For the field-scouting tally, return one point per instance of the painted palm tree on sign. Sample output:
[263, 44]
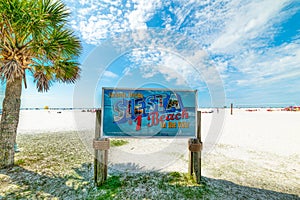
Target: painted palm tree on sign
[34, 38]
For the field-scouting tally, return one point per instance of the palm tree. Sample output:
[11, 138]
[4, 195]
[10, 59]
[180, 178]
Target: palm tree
[34, 39]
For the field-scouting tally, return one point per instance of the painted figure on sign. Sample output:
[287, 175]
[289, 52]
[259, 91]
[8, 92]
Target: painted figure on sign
[138, 121]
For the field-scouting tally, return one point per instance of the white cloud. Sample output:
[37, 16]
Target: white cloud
[245, 21]
[126, 71]
[141, 13]
[98, 20]
[109, 74]
[181, 69]
[275, 64]
[231, 33]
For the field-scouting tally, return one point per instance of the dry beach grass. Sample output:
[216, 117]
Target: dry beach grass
[58, 165]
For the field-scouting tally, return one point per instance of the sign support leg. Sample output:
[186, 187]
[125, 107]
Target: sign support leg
[195, 147]
[101, 146]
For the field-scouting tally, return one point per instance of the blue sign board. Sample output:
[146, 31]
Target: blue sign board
[148, 112]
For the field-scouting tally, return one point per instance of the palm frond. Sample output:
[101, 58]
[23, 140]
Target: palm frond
[56, 11]
[67, 71]
[42, 80]
[11, 70]
[60, 43]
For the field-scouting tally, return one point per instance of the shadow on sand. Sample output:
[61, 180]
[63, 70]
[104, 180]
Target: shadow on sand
[20, 183]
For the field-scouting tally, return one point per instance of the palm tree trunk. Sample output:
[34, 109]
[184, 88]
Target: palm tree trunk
[9, 122]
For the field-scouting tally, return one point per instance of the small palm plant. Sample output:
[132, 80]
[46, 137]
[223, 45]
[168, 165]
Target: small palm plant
[34, 39]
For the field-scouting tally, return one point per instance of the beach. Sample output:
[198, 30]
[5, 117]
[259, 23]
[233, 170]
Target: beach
[255, 155]
[275, 132]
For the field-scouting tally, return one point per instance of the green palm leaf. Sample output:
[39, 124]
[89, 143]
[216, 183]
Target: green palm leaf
[34, 33]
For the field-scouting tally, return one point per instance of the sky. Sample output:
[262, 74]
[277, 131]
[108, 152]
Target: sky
[245, 52]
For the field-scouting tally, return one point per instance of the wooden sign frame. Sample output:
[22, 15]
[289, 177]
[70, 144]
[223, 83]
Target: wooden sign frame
[102, 144]
[149, 112]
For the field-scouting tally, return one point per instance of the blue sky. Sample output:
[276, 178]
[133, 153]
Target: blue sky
[235, 51]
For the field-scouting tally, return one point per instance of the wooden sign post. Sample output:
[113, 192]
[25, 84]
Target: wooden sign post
[195, 147]
[101, 146]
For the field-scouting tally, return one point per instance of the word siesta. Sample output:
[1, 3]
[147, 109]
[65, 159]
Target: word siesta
[133, 109]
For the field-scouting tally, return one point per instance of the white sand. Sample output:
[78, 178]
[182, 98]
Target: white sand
[41, 121]
[277, 132]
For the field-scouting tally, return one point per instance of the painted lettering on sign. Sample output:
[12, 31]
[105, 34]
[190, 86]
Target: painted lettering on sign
[146, 110]
[157, 109]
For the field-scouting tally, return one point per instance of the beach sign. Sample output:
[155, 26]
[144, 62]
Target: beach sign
[148, 112]
[141, 113]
